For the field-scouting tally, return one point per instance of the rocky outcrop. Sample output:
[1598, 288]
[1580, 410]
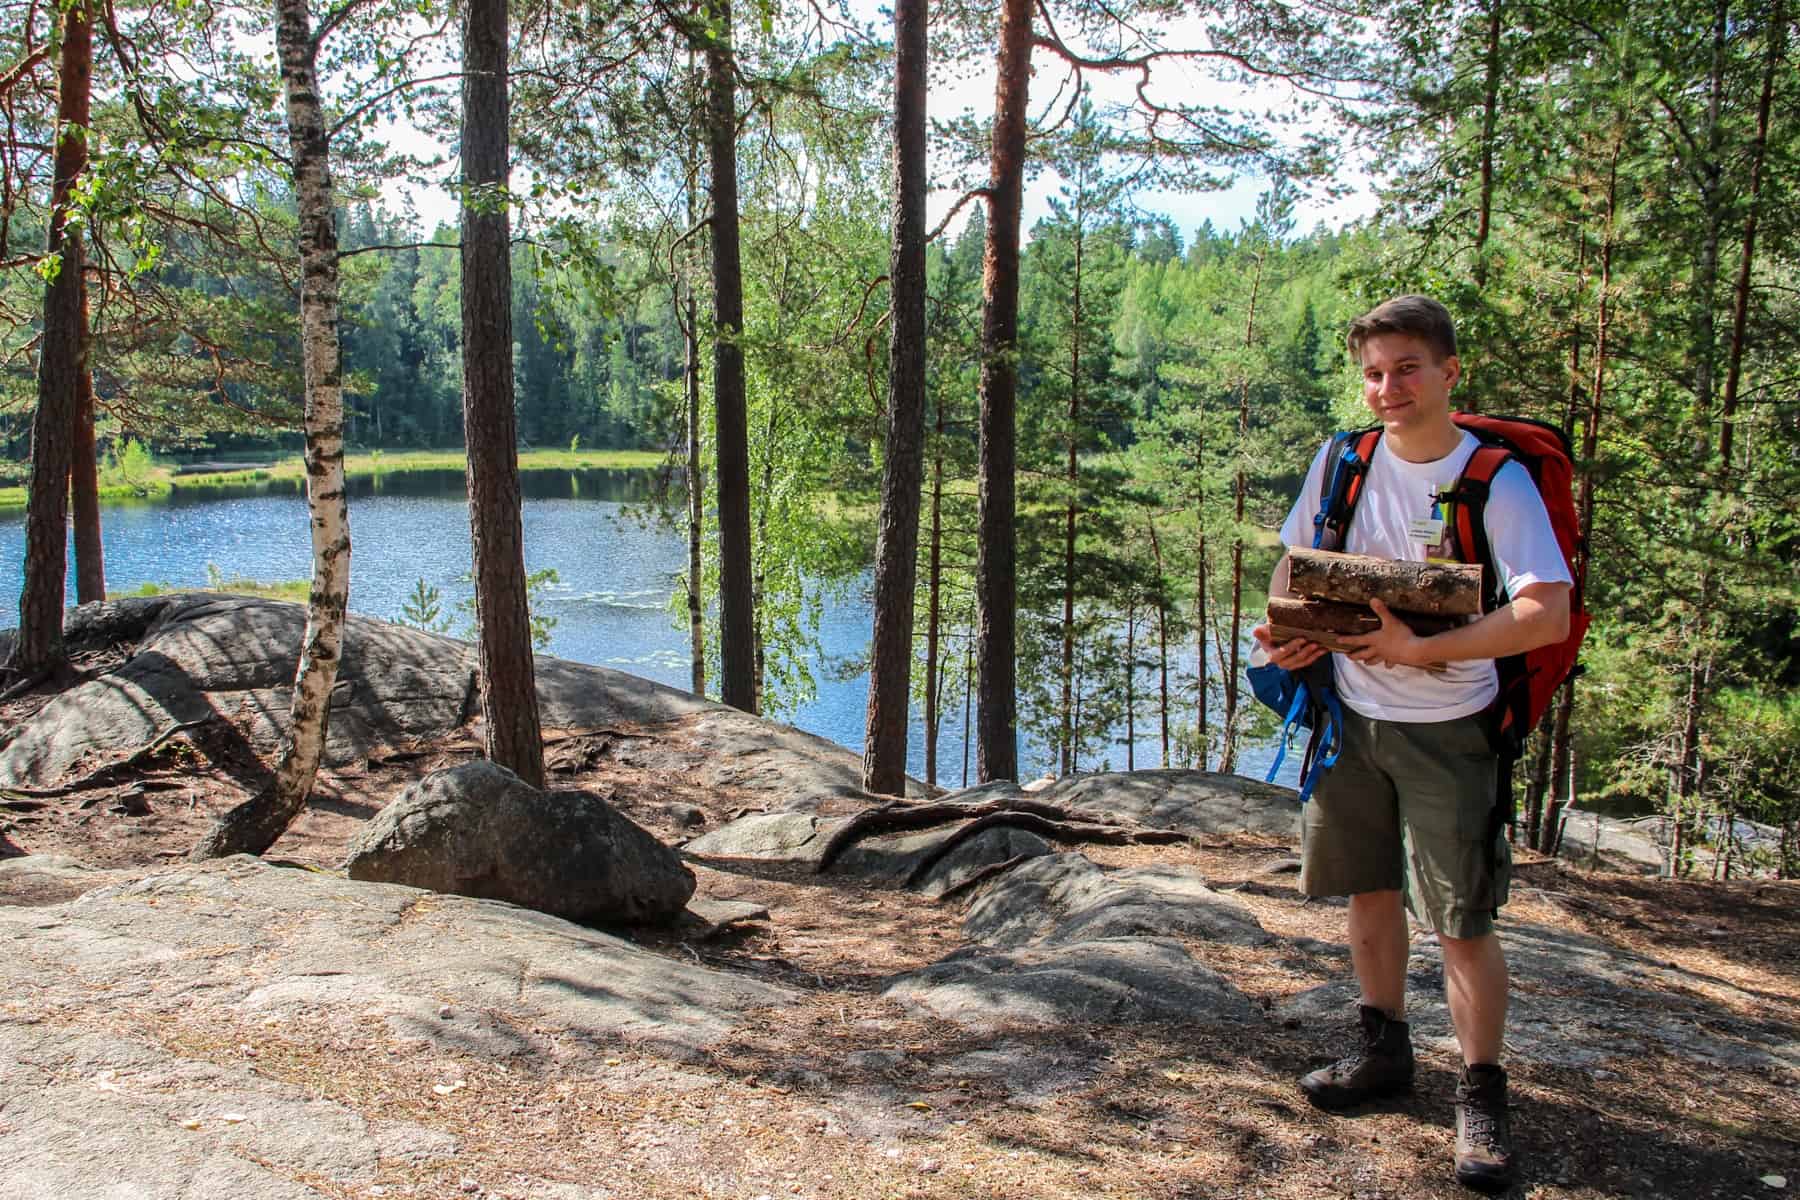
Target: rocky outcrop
[228, 661]
[1065, 898]
[1113, 981]
[479, 830]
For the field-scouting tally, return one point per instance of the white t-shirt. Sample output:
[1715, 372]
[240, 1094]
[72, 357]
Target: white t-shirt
[1394, 514]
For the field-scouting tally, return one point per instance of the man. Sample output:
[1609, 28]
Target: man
[1404, 818]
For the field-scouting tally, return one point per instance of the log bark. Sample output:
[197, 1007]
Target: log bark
[1444, 589]
[1327, 621]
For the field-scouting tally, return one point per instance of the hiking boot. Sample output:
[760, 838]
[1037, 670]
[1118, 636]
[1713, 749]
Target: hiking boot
[1484, 1149]
[1382, 1067]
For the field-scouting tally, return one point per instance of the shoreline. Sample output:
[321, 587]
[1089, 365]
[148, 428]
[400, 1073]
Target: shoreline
[165, 481]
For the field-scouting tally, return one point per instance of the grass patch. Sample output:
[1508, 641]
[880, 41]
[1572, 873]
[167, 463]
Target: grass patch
[296, 590]
[381, 462]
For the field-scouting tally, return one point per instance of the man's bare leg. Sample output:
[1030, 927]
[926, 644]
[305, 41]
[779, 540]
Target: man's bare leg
[1384, 1063]
[1378, 950]
[1475, 985]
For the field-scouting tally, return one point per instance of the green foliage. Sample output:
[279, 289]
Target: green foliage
[537, 583]
[424, 609]
[296, 590]
[128, 464]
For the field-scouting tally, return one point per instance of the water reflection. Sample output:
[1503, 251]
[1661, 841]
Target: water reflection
[585, 483]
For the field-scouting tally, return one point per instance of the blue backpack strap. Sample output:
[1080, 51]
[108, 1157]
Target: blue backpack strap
[1295, 714]
[1350, 454]
[1328, 741]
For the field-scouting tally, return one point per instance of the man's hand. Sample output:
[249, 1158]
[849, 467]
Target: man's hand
[1292, 655]
[1393, 645]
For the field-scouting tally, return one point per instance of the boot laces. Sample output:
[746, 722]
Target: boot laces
[1481, 1122]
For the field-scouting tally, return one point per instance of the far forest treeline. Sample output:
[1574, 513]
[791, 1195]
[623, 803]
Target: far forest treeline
[1063, 451]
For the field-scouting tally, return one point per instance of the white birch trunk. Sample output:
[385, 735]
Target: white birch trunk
[253, 826]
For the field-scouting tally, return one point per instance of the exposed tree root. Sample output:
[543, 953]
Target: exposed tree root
[980, 877]
[1057, 830]
[1051, 819]
[100, 774]
[26, 684]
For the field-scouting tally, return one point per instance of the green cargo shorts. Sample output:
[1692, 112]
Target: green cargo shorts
[1410, 806]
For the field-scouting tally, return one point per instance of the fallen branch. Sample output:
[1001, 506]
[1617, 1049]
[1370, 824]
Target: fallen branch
[1062, 831]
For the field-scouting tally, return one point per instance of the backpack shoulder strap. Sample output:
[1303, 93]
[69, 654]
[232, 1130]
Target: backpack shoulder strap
[1350, 454]
[1471, 495]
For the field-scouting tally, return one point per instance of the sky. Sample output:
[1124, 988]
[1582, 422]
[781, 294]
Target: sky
[973, 92]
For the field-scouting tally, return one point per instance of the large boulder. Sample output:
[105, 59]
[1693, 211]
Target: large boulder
[479, 830]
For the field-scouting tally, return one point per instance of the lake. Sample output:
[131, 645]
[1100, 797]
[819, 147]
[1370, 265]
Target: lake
[611, 602]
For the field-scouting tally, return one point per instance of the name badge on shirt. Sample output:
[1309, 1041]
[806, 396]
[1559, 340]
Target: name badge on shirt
[1427, 531]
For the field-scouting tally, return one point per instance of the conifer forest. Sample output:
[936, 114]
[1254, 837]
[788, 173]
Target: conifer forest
[756, 241]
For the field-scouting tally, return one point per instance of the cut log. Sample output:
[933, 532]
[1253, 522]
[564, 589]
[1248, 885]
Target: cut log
[1448, 589]
[1326, 622]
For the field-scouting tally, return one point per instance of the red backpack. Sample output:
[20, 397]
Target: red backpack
[1528, 681]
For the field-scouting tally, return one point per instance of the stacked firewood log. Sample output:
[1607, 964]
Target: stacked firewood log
[1331, 594]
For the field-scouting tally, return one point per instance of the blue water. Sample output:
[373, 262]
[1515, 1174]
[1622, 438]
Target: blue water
[616, 574]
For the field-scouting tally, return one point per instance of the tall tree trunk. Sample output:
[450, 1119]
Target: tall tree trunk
[696, 508]
[1740, 304]
[997, 549]
[1573, 409]
[1562, 771]
[897, 543]
[1489, 108]
[1130, 682]
[759, 564]
[84, 481]
[502, 607]
[1162, 642]
[253, 826]
[968, 701]
[61, 361]
[1709, 172]
[934, 669]
[1202, 729]
[1072, 476]
[1241, 495]
[737, 619]
[696, 470]
[1537, 787]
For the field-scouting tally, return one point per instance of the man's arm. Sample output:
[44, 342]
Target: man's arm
[1290, 655]
[1537, 616]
